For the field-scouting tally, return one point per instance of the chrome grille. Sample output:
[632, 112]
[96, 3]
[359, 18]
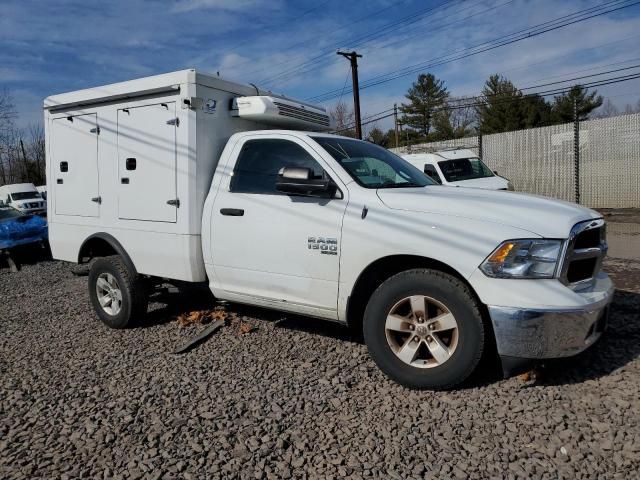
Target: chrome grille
[584, 251]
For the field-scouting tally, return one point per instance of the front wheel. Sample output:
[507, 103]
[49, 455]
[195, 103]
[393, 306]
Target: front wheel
[423, 328]
[118, 295]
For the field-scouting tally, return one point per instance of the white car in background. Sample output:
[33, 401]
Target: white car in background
[43, 191]
[24, 197]
[458, 167]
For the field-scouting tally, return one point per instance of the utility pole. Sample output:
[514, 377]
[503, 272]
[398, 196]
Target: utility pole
[353, 59]
[576, 149]
[4, 177]
[24, 160]
[395, 121]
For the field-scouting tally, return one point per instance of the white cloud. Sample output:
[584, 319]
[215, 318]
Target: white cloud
[231, 5]
[9, 74]
[267, 42]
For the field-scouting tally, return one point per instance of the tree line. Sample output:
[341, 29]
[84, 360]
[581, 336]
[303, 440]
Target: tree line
[431, 113]
[22, 150]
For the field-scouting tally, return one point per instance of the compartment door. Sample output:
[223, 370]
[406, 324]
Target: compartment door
[74, 153]
[147, 163]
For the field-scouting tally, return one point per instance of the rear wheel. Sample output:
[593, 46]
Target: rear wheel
[423, 329]
[118, 295]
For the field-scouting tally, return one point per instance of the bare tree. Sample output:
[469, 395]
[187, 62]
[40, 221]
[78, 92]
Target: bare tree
[22, 152]
[36, 152]
[7, 114]
[343, 118]
[7, 110]
[455, 120]
[608, 109]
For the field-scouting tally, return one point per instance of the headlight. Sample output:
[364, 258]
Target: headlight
[523, 259]
[510, 186]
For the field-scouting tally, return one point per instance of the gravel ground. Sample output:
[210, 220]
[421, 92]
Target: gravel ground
[295, 397]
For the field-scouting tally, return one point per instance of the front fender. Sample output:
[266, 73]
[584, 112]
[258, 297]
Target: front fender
[460, 243]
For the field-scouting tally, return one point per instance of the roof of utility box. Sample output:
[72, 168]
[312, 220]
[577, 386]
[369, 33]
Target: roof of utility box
[154, 85]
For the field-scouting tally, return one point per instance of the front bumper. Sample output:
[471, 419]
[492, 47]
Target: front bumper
[542, 333]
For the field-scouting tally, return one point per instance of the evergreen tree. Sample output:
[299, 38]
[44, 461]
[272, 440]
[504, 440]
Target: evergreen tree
[426, 96]
[563, 105]
[501, 109]
[536, 111]
[505, 108]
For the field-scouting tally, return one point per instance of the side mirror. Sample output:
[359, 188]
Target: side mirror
[300, 181]
[433, 176]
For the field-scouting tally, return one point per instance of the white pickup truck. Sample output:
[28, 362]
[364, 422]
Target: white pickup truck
[185, 176]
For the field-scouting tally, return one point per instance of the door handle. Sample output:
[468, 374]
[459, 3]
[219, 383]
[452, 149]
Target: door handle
[232, 212]
[124, 180]
[98, 200]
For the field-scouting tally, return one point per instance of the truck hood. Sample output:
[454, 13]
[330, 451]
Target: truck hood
[539, 215]
[490, 183]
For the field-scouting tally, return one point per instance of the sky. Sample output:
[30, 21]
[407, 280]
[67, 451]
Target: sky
[54, 46]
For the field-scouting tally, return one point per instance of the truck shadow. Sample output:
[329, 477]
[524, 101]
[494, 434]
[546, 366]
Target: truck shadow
[167, 304]
[619, 346]
[23, 255]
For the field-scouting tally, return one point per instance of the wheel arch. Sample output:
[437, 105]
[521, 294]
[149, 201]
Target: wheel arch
[383, 268]
[103, 245]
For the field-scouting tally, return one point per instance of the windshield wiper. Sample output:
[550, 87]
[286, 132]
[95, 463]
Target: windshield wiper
[398, 185]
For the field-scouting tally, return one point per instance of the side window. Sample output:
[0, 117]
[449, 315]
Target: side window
[432, 172]
[259, 162]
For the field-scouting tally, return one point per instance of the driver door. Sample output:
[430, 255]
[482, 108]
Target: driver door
[275, 248]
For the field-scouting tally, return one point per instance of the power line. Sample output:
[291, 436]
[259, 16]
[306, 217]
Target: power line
[501, 41]
[419, 29]
[316, 64]
[312, 40]
[548, 60]
[480, 100]
[272, 25]
[488, 45]
[381, 31]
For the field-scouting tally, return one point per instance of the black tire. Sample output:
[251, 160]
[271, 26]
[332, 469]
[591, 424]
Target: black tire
[449, 291]
[135, 296]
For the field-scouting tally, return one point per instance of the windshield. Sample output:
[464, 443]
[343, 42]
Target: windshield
[373, 166]
[24, 195]
[9, 213]
[464, 169]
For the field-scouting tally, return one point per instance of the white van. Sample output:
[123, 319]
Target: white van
[24, 197]
[458, 167]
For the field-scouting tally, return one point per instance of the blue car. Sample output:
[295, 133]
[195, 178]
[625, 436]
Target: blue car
[17, 228]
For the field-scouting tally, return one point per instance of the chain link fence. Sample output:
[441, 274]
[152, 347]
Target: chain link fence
[543, 160]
